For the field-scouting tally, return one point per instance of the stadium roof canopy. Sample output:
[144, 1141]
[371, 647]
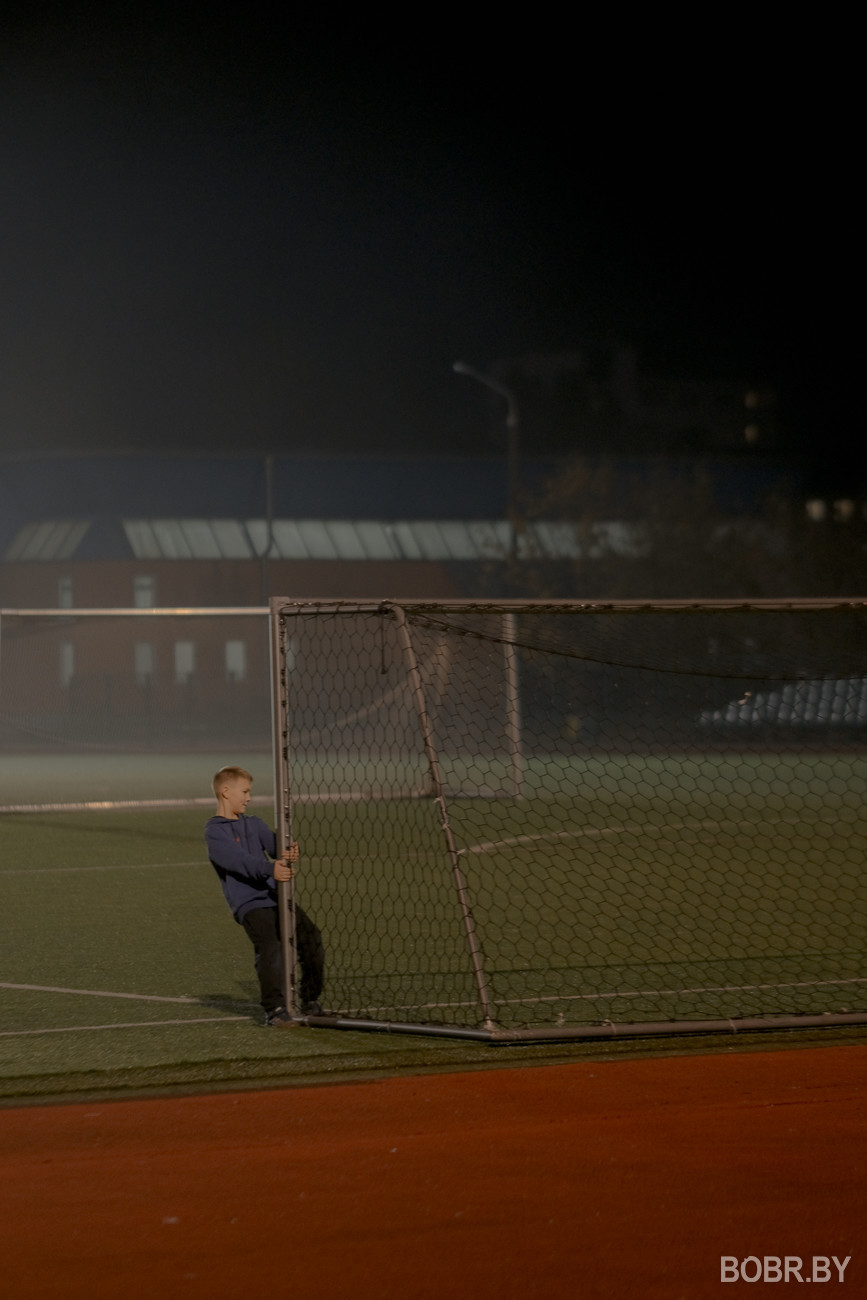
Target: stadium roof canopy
[321, 539]
[335, 508]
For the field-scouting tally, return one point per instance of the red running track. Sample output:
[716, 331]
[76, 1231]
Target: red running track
[626, 1178]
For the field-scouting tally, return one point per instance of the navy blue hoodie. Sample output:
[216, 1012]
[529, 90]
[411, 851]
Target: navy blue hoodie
[240, 849]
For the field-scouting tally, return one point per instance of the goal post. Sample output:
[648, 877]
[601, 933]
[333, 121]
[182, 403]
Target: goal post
[438, 793]
[283, 808]
[528, 819]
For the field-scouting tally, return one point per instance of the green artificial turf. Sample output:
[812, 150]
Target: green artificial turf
[645, 890]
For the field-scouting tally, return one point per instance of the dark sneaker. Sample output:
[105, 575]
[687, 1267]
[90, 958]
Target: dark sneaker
[313, 1009]
[280, 1018]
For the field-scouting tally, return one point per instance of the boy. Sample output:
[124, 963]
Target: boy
[241, 849]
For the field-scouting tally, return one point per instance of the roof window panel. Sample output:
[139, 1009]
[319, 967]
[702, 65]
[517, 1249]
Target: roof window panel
[555, 539]
[489, 538]
[376, 540]
[17, 548]
[315, 536]
[288, 542]
[406, 543]
[170, 539]
[458, 539]
[429, 539]
[49, 539]
[67, 538]
[345, 539]
[36, 543]
[199, 537]
[141, 538]
[231, 539]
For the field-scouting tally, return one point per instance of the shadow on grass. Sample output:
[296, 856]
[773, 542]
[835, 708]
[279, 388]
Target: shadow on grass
[233, 1006]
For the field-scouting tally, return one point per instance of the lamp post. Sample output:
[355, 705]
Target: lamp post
[265, 554]
[513, 446]
[510, 650]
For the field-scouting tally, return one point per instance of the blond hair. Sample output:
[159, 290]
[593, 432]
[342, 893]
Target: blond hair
[227, 775]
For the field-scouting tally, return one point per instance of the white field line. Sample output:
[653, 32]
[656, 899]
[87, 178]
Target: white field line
[629, 828]
[97, 993]
[122, 805]
[721, 988]
[132, 1024]
[626, 993]
[133, 805]
[489, 846]
[115, 866]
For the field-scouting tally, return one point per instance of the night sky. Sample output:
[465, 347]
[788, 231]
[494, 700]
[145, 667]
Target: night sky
[233, 236]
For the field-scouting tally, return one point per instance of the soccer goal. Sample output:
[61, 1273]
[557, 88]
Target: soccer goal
[529, 820]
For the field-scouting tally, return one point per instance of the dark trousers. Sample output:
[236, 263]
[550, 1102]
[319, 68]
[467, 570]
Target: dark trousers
[263, 928]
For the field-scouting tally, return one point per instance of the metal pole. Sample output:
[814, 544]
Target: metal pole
[513, 453]
[608, 1030]
[513, 706]
[513, 448]
[282, 800]
[269, 529]
[439, 797]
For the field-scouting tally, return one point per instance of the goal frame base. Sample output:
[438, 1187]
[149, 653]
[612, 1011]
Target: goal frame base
[589, 1033]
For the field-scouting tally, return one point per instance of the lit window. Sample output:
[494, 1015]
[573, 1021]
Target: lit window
[751, 400]
[816, 510]
[236, 661]
[844, 510]
[751, 433]
[144, 591]
[67, 663]
[64, 593]
[185, 661]
[144, 663]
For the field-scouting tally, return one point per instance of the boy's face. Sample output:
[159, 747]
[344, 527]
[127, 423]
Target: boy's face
[236, 796]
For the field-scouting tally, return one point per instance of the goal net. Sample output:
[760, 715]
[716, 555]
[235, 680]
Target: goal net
[532, 819]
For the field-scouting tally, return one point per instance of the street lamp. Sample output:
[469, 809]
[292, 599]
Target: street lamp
[513, 445]
[510, 649]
